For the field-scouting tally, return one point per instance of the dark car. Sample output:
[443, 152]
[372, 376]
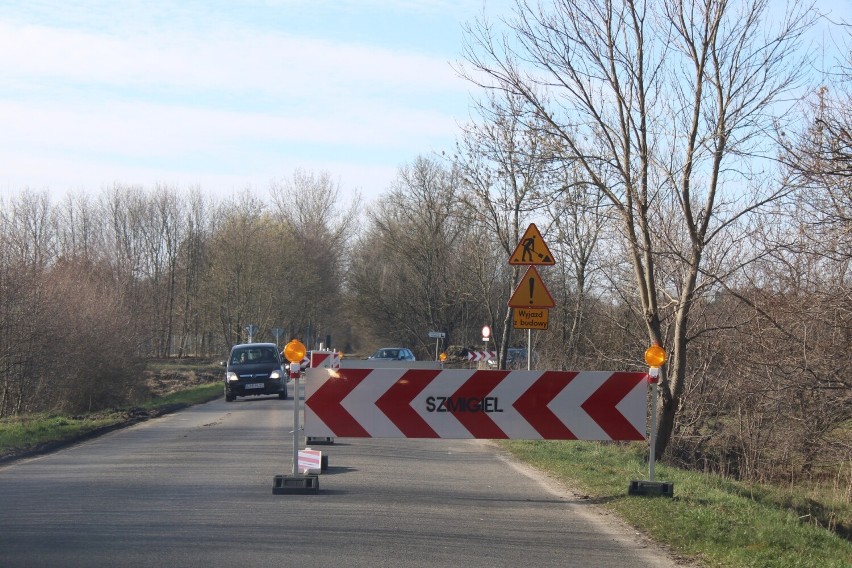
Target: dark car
[516, 358]
[255, 369]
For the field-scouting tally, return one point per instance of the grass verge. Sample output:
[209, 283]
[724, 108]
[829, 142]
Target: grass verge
[719, 522]
[32, 433]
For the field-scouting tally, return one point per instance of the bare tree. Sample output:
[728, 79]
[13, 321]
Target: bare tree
[578, 222]
[662, 105]
[247, 268]
[406, 266]
[195, 259]
[79, 228]
[164, 231]
[54, 310]
[312, 212]
[793, 360]
[124, 211]
[506, 163]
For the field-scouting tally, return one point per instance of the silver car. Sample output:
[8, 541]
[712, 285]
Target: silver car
[393, 354]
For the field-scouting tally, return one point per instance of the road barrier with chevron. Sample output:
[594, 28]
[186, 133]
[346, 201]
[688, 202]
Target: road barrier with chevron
[487, 404]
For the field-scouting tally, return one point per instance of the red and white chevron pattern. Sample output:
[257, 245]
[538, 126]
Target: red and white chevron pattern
[481, 355]
[429, 403]
[327, 359]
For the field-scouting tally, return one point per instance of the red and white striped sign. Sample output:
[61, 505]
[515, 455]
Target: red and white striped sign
[429, 403]
[327, 359]
[481, 355]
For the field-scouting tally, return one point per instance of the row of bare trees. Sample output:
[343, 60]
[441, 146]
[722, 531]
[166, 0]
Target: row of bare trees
[92, 287]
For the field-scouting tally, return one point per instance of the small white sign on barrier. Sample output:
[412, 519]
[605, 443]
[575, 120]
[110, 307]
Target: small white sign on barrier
[310, 461]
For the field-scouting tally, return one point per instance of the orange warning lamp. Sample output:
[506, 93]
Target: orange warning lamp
[443, 357]
[295, 351]
[655, 356]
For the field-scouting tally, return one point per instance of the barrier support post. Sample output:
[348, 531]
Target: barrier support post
[655, 357]
[295, 483]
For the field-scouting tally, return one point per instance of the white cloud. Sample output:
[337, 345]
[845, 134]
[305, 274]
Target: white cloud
[232, 61]
[149, 92]
[61, 174]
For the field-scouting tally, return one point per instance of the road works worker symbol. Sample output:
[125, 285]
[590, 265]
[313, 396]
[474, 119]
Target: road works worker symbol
[532, 249]
[529, 249]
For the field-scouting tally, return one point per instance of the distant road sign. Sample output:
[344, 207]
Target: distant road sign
[485, 355]
[437, 334]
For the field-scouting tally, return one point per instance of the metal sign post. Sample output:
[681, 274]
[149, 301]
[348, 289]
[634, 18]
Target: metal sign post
[529, 349]
[437, 336]
[486, 335]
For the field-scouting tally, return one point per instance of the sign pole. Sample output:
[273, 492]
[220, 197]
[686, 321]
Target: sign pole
[486, 335]
[277, 332]
[438, 336]
[529, 349]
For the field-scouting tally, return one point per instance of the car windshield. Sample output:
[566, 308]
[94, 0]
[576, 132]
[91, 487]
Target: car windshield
[253, 355]
[387, 354]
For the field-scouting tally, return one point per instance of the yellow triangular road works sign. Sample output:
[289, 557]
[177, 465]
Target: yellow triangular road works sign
[532, 249]
[531, 292]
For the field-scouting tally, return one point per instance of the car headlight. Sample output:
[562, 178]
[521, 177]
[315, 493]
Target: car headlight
[276, 374]
[231, 377]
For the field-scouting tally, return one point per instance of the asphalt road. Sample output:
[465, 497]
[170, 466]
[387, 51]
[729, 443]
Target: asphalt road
[194, 488]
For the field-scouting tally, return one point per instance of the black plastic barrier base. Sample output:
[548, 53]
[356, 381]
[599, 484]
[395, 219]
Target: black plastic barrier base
[295, 485]
[651, 488]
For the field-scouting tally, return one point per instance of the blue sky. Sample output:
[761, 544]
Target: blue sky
[227, 94]
[230, 94]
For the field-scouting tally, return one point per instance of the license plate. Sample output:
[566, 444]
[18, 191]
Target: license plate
[254, 386]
